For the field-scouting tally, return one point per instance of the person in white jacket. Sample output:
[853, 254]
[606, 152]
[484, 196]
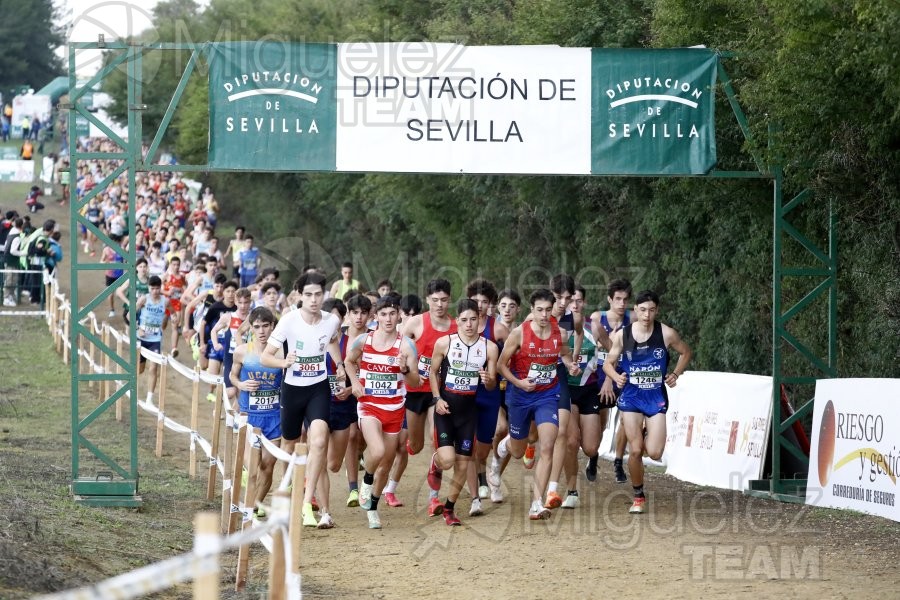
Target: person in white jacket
[13, 252]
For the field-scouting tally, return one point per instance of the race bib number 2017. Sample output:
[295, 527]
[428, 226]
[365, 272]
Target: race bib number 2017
[264, 400]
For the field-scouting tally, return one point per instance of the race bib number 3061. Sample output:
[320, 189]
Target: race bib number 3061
[310, 366]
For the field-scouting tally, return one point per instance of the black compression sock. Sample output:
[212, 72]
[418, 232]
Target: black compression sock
[482, 479]
[449, 504]
[638, 491]
[374, 505]
[368, 478]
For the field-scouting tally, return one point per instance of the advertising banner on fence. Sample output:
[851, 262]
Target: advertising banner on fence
[272, 106]
[855, 452]
[16, 170]
[717, 428]
[422, 107]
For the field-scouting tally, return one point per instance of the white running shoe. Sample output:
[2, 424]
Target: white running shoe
[365, 495]
[571, 501]
[484, 492]
[493, 472]
[476, 509]
[374, 519]
[538, 512]
[325, 522]
[503, 447]
[496, 495]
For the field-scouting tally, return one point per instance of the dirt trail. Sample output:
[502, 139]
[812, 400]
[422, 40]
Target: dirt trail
[694, 542]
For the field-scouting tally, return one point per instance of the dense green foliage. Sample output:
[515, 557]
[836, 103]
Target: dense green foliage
[28, 40]
[825, 70]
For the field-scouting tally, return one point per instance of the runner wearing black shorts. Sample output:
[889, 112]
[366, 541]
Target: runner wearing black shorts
[466, 359]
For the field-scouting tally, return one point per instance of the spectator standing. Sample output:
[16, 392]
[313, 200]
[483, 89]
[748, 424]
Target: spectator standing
[12, 252]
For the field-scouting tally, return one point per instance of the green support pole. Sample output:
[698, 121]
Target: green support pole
[101, 481]
[779, 485]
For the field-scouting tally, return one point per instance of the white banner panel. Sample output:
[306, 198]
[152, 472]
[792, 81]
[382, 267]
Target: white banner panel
[16, 170]
[30, 105]
[427, 107]
[717, 428]
[855, 452]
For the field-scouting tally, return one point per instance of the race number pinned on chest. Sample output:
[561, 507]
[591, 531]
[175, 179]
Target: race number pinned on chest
[424, 366]
[461, 381]
[381, 384]
[309, 366]
[263, 400]
[335, 386]
[541, 374]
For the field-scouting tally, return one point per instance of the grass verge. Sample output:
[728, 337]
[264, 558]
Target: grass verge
[47, 542]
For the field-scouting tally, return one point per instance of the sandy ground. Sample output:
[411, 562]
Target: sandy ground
[694, 542]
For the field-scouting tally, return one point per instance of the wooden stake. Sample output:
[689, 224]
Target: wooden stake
[195, 418]
[276, 559]
[65, 349]
[120, 402]
[216, 431]
[240, 581]
[206, 585]
[237, 479]
[226, 463]
[108, 385]
[160, 422]
[295, 526]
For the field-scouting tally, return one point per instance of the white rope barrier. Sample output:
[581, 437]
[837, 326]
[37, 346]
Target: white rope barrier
[183, 370]
[211, 379]
[94, 366]
[153, 357]
[119, 337]
[188, 566]
[165, 574]
[169, 423]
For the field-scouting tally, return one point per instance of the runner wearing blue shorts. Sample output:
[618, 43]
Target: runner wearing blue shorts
[641, 350]
[528, 363]
[260, 393]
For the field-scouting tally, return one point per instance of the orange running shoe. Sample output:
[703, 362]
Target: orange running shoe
[554, 500]
[529, 456]
[639, 506]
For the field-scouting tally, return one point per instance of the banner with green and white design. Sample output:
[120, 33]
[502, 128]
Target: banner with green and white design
[272, 106]
[422, 107]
